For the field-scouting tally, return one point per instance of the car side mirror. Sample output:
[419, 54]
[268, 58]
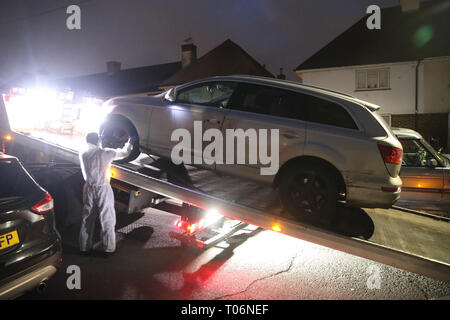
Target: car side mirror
[170, 95]
[432, 163]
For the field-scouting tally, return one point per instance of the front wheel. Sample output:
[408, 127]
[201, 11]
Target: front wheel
[115, 133]
[309, 192]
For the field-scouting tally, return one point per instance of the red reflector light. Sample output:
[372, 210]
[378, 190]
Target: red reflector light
[391, 154]
[395, 189]
[44, 205]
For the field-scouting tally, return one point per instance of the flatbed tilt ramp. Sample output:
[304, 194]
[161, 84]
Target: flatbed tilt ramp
[266, 219]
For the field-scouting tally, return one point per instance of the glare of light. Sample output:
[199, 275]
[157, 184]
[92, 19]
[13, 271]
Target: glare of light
[419, 186]
[423, 35]
[92, 114]
[211, 217]
[8, 137]
[176, 108]
[33, 108]
[111, 173]
[276, 228]
[179, 224]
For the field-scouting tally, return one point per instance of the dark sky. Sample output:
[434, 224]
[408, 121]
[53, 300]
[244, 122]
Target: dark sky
[278, 33]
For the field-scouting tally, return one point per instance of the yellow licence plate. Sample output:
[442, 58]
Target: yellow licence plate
[9, 239]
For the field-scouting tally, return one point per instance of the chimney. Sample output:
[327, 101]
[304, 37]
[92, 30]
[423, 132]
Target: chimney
[188, 54]
[409, 5]
[281, 75]
[112, 67]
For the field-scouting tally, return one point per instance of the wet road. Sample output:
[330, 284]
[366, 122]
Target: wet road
[252, 264]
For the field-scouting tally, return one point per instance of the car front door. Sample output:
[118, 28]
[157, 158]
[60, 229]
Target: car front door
[421, 181]
[196, 109]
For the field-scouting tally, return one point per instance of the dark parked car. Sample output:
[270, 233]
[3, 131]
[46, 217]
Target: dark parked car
[30, 246]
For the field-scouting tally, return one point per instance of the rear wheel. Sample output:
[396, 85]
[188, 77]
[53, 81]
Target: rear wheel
[309, 192]
[115, 133]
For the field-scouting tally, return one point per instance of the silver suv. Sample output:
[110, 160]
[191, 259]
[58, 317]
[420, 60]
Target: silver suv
[332, 146]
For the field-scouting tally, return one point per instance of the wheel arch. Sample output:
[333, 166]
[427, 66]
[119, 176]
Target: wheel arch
[301, 160]
[120, 117]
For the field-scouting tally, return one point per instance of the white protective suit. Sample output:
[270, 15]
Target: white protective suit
[98, 194]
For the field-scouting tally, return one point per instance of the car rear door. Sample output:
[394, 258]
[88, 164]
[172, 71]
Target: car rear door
[261, 108]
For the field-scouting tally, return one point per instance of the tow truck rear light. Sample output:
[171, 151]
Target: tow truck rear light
[44, 205]
[390, 154]
[190, 227]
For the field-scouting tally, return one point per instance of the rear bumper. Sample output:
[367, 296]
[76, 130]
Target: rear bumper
[28, 279]
[375, 195]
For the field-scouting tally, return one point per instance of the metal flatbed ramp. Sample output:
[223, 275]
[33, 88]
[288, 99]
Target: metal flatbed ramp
[266, 219]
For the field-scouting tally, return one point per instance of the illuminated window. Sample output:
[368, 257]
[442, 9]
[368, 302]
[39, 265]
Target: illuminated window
[372, 79]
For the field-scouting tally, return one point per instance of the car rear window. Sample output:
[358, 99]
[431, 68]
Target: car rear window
[16, 183]
[327, 112]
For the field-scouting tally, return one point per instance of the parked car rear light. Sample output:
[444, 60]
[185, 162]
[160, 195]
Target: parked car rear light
[44, 205]
[391, 154]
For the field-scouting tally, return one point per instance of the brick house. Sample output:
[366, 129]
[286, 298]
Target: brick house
[404, 67]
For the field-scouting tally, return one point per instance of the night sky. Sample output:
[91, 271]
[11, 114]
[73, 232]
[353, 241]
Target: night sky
[277, 33]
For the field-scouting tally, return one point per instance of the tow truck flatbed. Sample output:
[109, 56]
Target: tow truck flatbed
[385, 236]
[389, 243]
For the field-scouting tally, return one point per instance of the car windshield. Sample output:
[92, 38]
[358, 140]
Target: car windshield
[436, 154]
[16, 183]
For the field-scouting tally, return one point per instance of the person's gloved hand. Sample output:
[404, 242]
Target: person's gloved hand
[132, 140]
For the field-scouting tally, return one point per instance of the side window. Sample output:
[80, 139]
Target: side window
[290, 104]
[215, 94]
[414, 154]
[327, 112]
[267, 100]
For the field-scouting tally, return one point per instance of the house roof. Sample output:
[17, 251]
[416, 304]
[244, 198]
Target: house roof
[404, 36]
[128, 81]
[226, 59]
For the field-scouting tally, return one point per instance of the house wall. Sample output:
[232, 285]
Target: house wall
[399, 99]
[436, 90]
[433, 96]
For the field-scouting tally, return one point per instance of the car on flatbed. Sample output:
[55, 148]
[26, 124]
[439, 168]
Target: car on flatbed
[332, 146]
[30, 246]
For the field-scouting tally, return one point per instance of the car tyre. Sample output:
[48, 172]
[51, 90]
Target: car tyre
[115, 133]
[309, 192]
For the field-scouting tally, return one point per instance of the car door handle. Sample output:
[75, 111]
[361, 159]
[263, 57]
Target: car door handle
[212, 120]
[290, 134]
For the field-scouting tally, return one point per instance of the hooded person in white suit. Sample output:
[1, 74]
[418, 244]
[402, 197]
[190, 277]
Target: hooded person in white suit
[98, 194]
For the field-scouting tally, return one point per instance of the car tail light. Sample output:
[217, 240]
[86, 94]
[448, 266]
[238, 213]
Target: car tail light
[391, 154]
[391, 189]
[44, 205]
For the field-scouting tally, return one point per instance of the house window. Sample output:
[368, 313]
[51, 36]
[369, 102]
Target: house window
[372, 79]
